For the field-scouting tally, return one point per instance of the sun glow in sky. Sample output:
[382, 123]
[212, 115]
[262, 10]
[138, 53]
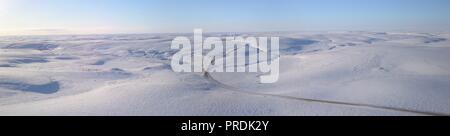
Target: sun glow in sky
[25, 17]
[4, 5]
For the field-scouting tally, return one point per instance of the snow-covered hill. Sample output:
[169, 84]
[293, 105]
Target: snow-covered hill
[335, 73]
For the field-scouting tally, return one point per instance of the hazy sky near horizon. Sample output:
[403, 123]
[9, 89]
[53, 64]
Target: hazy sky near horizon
[153, 16]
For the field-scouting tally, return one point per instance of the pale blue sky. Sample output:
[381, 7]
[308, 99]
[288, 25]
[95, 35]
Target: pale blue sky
[153, 16]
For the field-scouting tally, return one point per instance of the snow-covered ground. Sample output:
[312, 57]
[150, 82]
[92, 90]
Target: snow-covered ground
[334, 73]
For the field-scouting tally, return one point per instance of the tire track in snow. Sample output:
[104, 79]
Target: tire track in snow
[234, 89]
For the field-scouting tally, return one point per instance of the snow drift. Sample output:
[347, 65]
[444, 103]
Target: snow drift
[339, 73]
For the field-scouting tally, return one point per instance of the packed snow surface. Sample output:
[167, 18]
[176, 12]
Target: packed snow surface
[321, 73]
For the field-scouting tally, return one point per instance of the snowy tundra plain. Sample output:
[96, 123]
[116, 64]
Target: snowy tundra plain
[321, 73]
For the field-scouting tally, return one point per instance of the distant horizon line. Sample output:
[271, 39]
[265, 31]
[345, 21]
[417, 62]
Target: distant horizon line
[215, 32]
